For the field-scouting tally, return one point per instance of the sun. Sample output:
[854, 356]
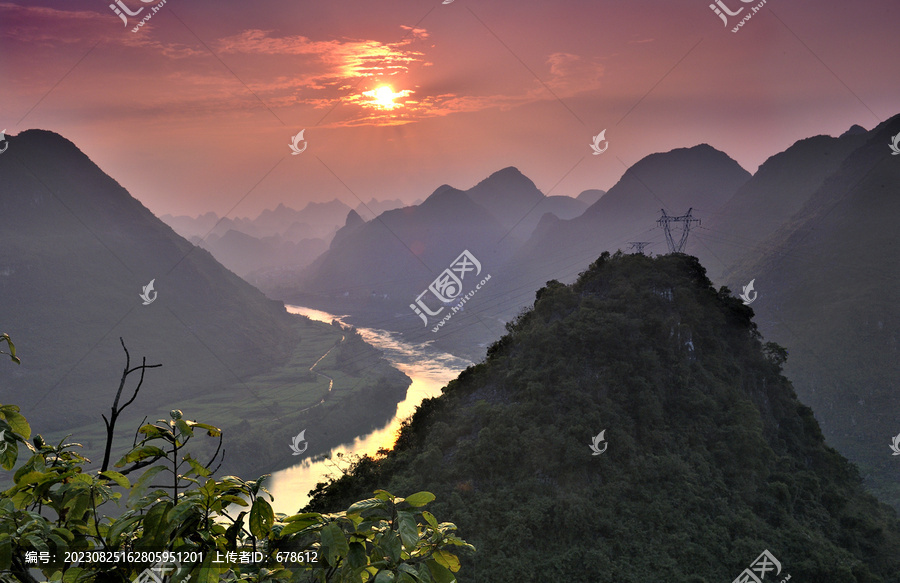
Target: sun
[383, 97]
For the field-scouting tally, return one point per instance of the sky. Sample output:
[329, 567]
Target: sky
[196, 110]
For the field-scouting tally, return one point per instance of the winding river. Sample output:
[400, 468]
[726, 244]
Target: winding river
[429, 369]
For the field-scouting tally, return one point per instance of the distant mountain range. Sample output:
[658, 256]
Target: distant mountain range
[814, 227]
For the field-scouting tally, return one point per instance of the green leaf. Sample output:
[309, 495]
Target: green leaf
[356, 556]
[184, 428]
[334, 544]
[390, 544]
[72, 574]
[181, 513]
[32, 478]
[261, 518]
[384, 577]
[445, 559]
[299, 525]
[140, 487]
[119, 527]
[439, 573]
[383, 495]
[430, 519]
[419, 499]
[210, 430]
[153, 431]
[5, 551]
[16, 420]
[117, 478]
[368, 504]
[12, 348]
[303, 516]
[409, 533]
[155, 526]
[197, 467]
[141, 453]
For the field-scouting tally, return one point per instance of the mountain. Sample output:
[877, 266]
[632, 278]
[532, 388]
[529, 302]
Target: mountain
[278, 240]
[403, 250]
[317, 220]
[320, 220]
[633, 427]
[591, 196]
[246, 255]
[700, 177]
[766, 202]
[826, 282]
[373, 208]
[78, 251]
[386, 262]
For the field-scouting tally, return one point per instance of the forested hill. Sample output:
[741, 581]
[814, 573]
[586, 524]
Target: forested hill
[710, 458]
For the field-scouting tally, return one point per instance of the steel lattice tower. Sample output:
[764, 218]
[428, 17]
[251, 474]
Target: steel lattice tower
[638, 245]
[686, 219]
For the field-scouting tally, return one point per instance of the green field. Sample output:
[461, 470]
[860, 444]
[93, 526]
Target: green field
[285, 397]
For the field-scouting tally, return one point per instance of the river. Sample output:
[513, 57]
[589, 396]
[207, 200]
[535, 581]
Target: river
[429, 369]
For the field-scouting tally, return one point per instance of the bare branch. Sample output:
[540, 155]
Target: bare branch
[115, 410]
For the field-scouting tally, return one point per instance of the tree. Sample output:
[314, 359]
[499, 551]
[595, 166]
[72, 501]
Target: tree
[179, 529]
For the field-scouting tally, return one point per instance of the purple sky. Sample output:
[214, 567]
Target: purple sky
[195, 111]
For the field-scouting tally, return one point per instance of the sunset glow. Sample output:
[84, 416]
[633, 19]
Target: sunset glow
[383, 97]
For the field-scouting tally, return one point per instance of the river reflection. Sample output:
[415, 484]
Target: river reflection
[429, 369]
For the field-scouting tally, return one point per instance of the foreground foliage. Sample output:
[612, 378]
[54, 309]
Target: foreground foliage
[172, 503]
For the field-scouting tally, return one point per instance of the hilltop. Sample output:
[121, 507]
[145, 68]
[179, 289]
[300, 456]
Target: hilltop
[709, 458]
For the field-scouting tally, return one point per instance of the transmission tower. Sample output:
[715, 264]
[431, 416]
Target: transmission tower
[686, 219]
[638, 245]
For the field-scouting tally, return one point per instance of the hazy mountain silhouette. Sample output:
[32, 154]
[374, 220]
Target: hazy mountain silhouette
[280, 239]
[76, 254]
[777, 190]
[373, 208]
[591, 196]
[404, 249]
[317, 220]
[827, 289]
[246, 255]
[708, 458]
[398, 254]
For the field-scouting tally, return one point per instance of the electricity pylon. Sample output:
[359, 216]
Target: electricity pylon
[686, 219]
[638, 245]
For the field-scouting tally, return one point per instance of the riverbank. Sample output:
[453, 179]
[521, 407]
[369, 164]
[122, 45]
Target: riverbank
[429, 370]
